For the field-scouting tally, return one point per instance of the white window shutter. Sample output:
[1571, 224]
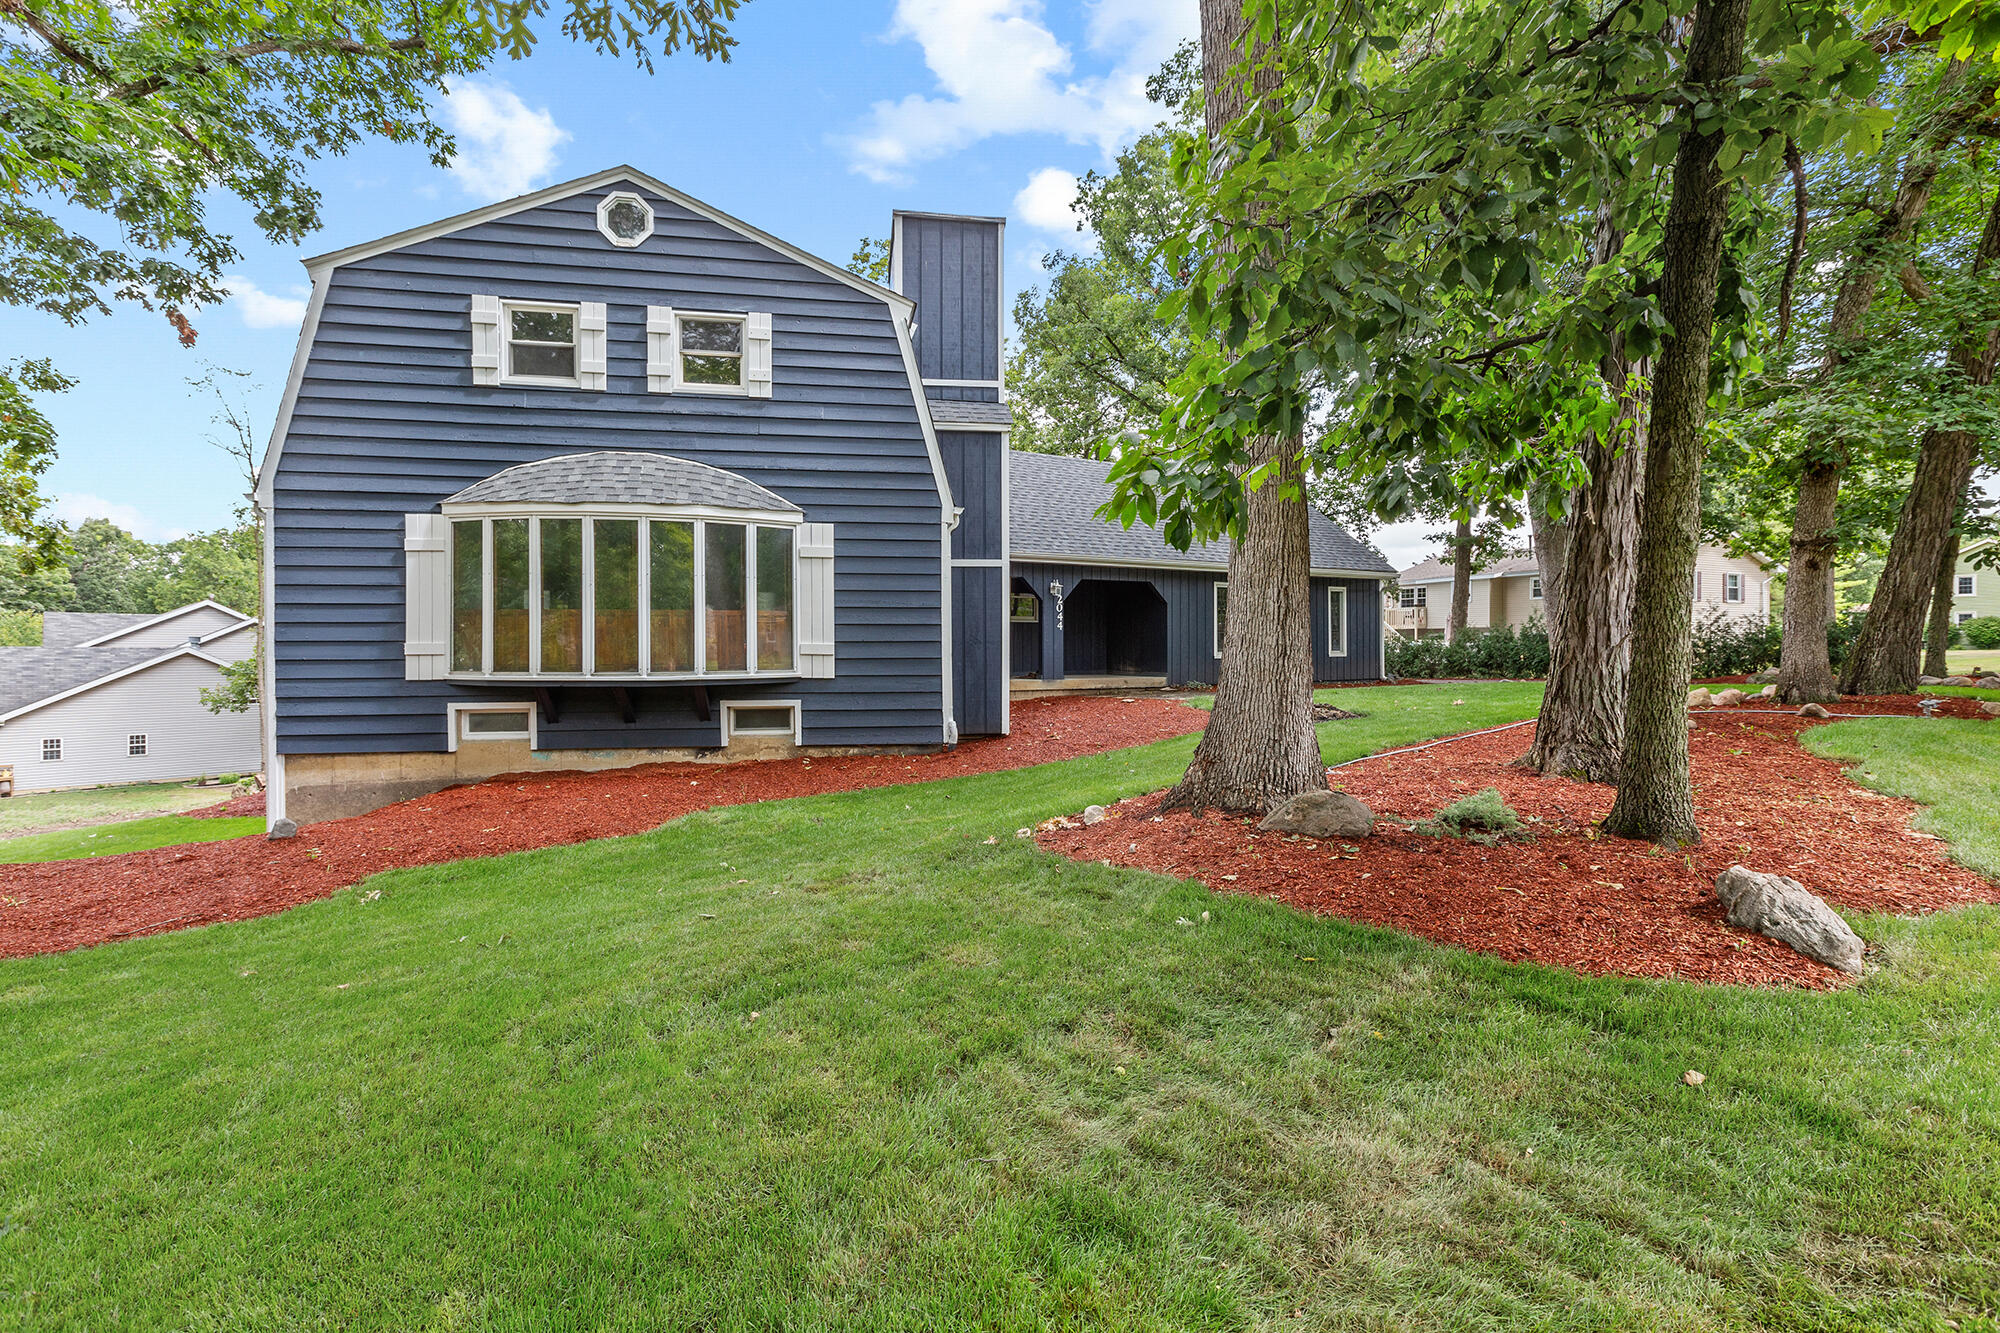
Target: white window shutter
[757, 354]
[662, 366]
[427, 593]
[485, 340]
[815, 594]
[590, 335]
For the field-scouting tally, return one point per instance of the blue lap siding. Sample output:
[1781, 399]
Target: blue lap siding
[388, 422]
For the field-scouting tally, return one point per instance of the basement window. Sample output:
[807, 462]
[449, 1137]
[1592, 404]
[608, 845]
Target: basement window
[762, 719]
[491, 722]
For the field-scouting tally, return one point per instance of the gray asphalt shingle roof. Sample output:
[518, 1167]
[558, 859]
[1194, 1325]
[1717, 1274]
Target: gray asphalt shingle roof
[1435, 570]
[945, 412]
[621, 478]
[28, 675]
[66, 629]
[1053, 500]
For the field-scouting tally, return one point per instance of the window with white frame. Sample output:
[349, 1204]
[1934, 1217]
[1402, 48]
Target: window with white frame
[1535, 588]
[1221, 613]
[1964, 616]
[1968, 585]
[538, 343]
[625, 219]
[1732, 587]
[135, 745]
[1411, 598]
[711, 352]
[51, 749]
[1336, 621]
[779, 718]
[623, 595]
[491, 722]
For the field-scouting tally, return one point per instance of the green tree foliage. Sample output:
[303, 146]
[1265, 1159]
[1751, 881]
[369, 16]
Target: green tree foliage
[123, 124]
[105, 568]
[871, 259]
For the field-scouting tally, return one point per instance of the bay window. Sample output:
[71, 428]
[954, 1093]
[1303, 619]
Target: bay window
[615, 595]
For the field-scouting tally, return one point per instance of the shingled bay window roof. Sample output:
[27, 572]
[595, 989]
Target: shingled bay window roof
[623, 478]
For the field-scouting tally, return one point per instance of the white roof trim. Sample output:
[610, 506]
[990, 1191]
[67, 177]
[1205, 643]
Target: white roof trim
[445, 226]
[165, 616]
[1199, 566]
[119, 674]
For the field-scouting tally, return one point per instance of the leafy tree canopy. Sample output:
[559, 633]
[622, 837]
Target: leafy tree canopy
[105, 568]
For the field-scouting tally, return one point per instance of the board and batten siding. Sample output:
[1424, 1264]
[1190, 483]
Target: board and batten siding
[1190, 602]
[161, 702]
[951, 267]
[973, 463]
[387, 422]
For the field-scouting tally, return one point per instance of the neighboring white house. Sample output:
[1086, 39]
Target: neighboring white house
[117, 699]
[1509, 592]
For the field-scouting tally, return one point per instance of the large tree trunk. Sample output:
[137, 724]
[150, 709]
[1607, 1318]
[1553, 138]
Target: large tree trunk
[1259, 747]
[1805, 670]
[1885, 656]
[1937, 641]
[1655, 792]
[1461, 580]
[1589, 564]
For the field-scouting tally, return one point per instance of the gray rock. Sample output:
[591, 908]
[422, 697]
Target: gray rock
[1956, 680]
[1765, 677]
[1989, 682]
[1768, 692]
[1782, 909]
[1321, 814]
[1729, 698]
[1814, 710]
[1930, 680]
[1699, 698]
[1990, 707]
[283, 828]
[1093, 814]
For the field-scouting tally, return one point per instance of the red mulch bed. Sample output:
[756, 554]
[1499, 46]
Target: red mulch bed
[67, 904]
[237, 807]
[1572, 897]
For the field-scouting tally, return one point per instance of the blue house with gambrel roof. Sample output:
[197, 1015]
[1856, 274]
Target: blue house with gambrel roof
[603, 475]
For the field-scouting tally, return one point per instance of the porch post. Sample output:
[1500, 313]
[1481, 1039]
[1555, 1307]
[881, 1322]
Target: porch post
[1052, 630]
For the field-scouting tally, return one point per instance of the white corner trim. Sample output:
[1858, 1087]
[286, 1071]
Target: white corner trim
[274, 448]
[165, 616]
[267, 668]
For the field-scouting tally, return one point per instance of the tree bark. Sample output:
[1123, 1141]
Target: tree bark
[1805, 669]
[1655, 792]
[1461, 579]
[1885, 656]
[1589, 564]
[1259, 746]
[1937, 642]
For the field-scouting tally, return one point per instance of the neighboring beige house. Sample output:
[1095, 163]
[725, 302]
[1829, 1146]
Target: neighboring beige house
[1977, 591]
[1509, 592]
[117, 699]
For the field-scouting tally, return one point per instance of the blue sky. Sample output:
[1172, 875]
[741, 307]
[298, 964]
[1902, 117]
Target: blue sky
[828, 117]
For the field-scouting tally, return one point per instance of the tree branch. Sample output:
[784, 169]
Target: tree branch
[1798, 250]
[236, 55]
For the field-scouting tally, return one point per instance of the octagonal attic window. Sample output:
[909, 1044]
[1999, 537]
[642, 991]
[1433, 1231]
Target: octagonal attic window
[625, 219]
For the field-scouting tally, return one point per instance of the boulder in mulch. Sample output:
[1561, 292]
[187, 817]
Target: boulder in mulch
[282, 829]
[1930, 680]
[1956, 680]
[1990, 707]
[1729, 698]
[1765, 678]
[1321, 814]
[1813, 710]
[1782, 909]
[1989, 682]
[1699, 698]
[1768, 692]
[1093, 814]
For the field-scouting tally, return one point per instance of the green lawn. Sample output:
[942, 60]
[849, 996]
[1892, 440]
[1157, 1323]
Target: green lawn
[1951, 766]
[132, 835]
[844, 1063]
[40, 812]
[1966, 661]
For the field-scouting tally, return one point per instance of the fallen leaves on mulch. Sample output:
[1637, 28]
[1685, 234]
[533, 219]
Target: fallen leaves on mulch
[67, 904]
[1571, 897]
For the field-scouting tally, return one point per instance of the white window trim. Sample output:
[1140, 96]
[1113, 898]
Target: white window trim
[1727, 580]
[740, 389]
[575, 312]
[455, 724]
[1962, 582]
[1413, 598]
[145, 746]
[1215, 613]
[57, 741]
[731, 707]
[699, 516]
[1964, 616]
[1336, 645]
[604, 207]
[1534, 587]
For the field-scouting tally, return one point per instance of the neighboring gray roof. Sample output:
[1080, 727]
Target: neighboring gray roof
[31, 674]
[1053, 501]
[946, 412]
[620, 478]
[1436, 571]
[66, 629]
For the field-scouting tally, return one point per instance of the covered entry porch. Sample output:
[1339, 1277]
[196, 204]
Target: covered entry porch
[1079, 628]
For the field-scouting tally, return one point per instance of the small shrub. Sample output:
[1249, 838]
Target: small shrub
[1483, 817]
[1982, 632]
[1734, 645]
[1502, 653]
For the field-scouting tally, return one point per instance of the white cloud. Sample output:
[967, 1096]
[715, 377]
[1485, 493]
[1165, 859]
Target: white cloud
[505, 146]
[261, 309]
[75, 507]
[1000, 70]
[1048, 201]
[1406, 543]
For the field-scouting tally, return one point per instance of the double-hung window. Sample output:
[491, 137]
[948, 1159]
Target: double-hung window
[1732, 587]
[1968, 584]
[538, 343]
[624, 595]
[1535, 588]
